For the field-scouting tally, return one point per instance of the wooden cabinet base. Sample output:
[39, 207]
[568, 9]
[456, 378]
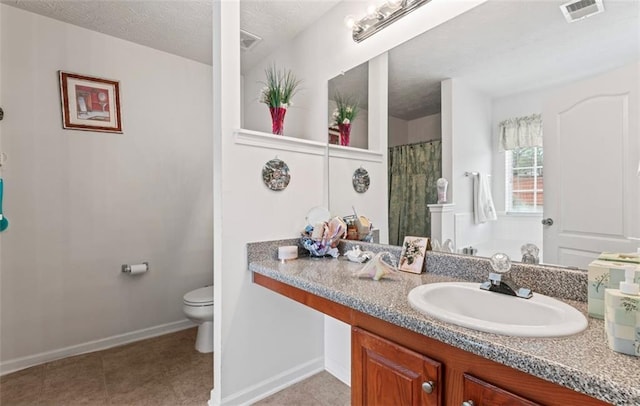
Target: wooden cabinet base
[384, 373]
[479, 392]
[455, 363]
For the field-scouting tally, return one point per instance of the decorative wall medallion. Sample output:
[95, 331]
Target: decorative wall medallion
[361, 180]
[275, 174]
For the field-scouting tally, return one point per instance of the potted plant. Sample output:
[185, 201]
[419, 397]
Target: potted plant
[345, 112]
[280, 86]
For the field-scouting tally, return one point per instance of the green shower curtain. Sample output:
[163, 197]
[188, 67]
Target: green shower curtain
[413, 171]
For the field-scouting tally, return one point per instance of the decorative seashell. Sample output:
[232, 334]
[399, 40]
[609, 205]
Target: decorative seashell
[377, 268]
[357, 255]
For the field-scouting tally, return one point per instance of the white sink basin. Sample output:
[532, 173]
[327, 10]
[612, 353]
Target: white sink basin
[465, 304]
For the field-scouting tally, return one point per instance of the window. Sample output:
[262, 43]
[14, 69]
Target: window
[524, 180]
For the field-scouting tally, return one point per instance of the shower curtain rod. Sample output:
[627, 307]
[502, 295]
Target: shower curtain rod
[417, 143]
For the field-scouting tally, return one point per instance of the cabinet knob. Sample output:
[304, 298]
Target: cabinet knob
[468, 403]
[547, 222]
[429, 386]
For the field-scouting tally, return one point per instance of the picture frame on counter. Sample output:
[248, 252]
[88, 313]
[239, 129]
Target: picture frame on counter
[412, 255]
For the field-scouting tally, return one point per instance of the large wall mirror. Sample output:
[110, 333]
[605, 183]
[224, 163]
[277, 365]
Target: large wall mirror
[449, 91]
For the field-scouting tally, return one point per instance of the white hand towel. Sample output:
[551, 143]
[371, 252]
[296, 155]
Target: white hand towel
[483, 209]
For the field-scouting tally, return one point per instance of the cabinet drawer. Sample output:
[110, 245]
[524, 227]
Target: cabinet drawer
[482, 393]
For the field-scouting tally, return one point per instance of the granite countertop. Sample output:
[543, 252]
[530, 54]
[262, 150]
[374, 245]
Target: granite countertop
[581, 362]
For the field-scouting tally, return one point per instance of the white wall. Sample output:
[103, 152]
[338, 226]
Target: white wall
[427, 128]
[307, 119]
[343, 197]
[337, 349]
[466, 134]
[472, 141]
[263, 333]
[398, 131]
[266, 341]
[373, 203]
[325, 49]
[81, 203]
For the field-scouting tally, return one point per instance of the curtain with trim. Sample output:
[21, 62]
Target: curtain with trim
[521, 132]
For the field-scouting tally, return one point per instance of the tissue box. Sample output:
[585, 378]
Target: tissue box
[604, 274]
[620, 257]
[622, 322]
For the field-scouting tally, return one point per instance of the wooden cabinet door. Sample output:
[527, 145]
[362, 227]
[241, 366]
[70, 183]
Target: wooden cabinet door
[482, 393]
[385, 373]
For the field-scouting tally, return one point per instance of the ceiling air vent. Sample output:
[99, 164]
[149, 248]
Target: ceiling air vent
[579, 9]
[248, 40]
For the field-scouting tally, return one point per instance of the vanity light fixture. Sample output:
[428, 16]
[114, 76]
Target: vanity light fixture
[379, 17]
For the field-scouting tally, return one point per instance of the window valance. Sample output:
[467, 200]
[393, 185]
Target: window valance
[521, 132]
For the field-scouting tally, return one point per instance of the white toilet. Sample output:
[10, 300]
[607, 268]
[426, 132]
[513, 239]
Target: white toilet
[198, 307]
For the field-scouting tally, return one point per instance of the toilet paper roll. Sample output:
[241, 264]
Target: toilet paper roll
[136, 268]
[139, 268]
[288, 252]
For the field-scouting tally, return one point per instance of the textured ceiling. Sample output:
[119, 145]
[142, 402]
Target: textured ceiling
[276, 22]
[356, 80]
[179, 27]
[499, 47]
[183, 27]
[505, 47]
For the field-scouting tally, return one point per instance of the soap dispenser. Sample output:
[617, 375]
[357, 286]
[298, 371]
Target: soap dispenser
[622, 315]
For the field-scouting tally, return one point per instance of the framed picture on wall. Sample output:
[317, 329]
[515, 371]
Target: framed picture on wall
[412, 255]
[89, 103]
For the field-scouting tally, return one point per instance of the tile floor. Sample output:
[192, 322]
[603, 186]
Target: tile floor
[164, 370]
[322, 389]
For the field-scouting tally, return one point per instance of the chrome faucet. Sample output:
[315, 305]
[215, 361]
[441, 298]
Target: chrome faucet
[530, 254]
[500, 282]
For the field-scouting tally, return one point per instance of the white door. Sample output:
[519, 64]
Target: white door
[591, 161]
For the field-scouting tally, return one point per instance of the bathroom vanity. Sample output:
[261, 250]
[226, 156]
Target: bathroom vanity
[400, 356]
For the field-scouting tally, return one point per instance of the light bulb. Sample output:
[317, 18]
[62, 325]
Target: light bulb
[393, 3]
[372, 10]
[350, 21]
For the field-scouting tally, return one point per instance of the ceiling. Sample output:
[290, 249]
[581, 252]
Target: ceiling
[505, 46]
[190, 35]
[499, 47]
[276, 22]
[144, 22]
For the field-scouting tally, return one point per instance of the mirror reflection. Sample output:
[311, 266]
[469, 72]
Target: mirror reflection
[348, 108]
[512, 101]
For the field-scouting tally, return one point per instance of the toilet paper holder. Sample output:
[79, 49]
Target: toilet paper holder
[136, 268]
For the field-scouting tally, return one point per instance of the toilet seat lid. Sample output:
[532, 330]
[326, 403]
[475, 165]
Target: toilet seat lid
[200, 297]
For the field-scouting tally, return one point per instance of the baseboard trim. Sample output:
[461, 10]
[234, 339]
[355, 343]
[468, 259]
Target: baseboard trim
[13, 365]
[212, 398]
[339, 371]
[275, 384]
